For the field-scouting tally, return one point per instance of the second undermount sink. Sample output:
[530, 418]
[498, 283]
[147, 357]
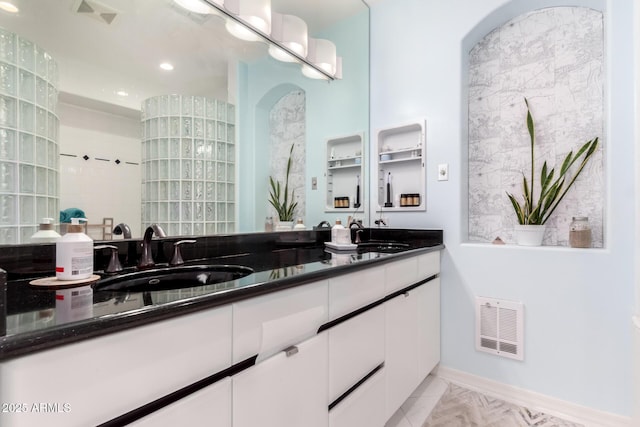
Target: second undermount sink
[382, 246]
[166, 278]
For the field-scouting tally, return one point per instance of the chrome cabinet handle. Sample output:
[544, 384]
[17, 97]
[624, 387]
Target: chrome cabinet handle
[290, 351]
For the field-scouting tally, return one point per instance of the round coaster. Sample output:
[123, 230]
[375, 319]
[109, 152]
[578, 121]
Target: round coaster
[54, 283]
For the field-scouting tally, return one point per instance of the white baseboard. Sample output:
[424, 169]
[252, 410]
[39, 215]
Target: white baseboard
[532, 400]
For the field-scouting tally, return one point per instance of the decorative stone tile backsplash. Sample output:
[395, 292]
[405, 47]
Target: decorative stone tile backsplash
[287, 126]
[555, 58]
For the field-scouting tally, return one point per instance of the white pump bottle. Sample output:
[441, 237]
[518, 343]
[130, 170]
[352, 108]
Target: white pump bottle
[74, 253]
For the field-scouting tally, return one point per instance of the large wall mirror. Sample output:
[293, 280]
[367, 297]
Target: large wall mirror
[143, 111]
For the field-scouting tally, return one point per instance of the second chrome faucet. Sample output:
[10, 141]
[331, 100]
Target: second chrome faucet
[146, 257]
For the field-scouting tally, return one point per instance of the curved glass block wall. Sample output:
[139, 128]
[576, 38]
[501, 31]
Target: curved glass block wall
[29, 129]
[188, 165]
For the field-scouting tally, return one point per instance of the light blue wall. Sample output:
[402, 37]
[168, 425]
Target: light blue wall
[333, 109]
[578, 303]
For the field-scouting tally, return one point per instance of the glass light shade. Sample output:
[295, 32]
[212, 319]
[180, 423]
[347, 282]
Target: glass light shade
[256, 13]
[198, 6]
[291, 32]
[241, 32]
[322, 54]
[312, 73]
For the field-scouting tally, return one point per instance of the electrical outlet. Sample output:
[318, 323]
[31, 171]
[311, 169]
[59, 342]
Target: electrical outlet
[443, 172]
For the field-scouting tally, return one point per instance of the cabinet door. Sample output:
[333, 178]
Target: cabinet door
[210, 406]
[428, 327]
[401, 348]
[285, 390]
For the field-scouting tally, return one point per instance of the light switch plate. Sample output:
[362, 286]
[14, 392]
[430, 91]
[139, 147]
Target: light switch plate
[443, 172]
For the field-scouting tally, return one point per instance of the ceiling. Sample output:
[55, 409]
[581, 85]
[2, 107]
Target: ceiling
[102, 46]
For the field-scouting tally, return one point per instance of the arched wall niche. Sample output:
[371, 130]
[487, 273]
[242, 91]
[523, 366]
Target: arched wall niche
[280, 120]
[554, 56]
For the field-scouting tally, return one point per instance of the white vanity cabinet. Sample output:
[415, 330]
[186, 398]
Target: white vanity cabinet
[210, 406]
[412, 326]
[288, 389]
[105, 377]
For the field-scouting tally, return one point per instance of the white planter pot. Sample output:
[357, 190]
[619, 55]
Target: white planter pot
[284, 226]
[529, 235]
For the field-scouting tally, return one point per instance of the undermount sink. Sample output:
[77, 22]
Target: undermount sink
[382, 246]
[166, 278]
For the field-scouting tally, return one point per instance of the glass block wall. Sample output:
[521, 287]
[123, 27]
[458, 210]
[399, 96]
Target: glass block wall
[188, 165]
[29, 129]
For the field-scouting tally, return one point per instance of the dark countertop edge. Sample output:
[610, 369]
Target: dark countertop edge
[31, 342]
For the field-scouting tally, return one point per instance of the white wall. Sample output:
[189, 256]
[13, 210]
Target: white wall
[100, 188]
[578, 304]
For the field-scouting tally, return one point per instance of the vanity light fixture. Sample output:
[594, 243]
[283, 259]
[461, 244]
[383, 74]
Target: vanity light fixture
[7, 6]
[256, 13]
[291, 32]
[322, 54]
[166, 66]
[252, 20]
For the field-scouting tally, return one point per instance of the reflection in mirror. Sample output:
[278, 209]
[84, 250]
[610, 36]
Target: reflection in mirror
[90, 121]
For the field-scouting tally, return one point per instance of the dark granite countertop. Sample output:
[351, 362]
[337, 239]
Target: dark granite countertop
[38, 319]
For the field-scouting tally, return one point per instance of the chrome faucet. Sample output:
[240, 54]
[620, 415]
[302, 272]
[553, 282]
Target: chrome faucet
[146, 259]
[123, 229]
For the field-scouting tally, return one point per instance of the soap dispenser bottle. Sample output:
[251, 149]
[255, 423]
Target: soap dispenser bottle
[46, 233]
[336, 231]
[74, 253]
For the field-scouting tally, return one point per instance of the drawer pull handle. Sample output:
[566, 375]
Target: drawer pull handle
[290, 351]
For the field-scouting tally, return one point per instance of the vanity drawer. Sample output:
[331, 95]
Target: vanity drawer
[268, 324]
[349, 292]
[428, 264]
[400, 274]
[356, 347]
[104, 377]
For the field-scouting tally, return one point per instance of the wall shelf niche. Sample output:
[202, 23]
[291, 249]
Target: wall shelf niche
[345, 173]
[400, 159]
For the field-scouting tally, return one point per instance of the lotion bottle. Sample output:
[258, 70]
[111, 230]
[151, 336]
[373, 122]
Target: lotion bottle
[46, 233]
[74, 253]
[339, 234]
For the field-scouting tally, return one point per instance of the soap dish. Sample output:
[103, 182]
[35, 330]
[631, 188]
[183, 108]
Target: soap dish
[341, 246]
[54, 283]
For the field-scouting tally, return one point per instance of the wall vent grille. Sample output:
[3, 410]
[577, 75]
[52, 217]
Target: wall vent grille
[499, 327]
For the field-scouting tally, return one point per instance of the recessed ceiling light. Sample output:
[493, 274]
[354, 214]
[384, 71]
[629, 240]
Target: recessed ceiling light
[9, 7]
[166, 66]
[122, 93]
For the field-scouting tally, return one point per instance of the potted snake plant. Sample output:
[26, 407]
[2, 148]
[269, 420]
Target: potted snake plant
[534, 209]
[281, 200]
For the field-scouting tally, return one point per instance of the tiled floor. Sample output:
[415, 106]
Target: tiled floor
[462, 407]
[419, 405]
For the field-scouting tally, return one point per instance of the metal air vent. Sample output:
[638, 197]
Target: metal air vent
[499, 327]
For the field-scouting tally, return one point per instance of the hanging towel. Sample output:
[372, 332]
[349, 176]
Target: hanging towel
[67, 214]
